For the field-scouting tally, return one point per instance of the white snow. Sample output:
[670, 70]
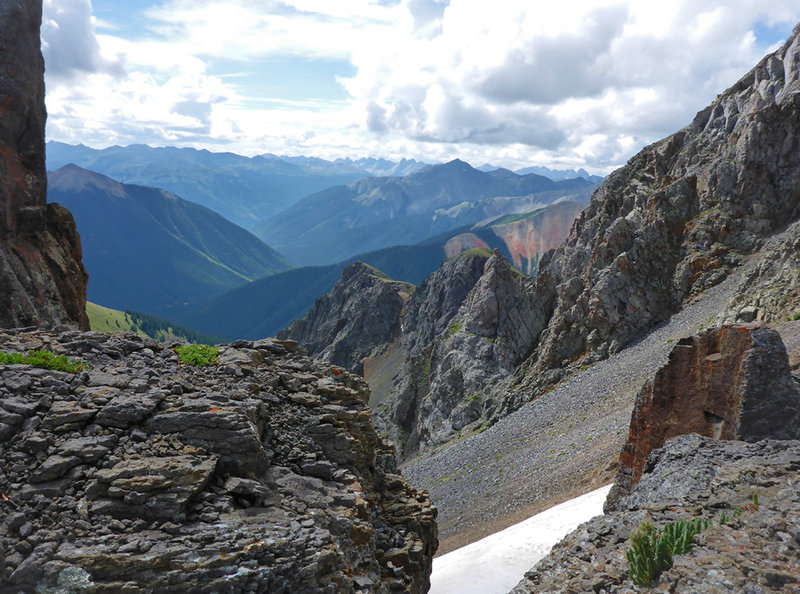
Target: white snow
[496, 564]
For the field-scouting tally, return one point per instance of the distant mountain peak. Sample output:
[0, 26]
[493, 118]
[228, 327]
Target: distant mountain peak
[72, 178]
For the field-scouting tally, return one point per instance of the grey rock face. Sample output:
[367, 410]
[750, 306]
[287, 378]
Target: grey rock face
[754, 549]
[770, 290]
[437, 300]
[672, 222]
[42, 280]
[360, 315]
[483, 342]
[263, 473]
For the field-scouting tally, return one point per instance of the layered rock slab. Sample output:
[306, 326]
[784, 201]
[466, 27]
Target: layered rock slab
[263, 473]
[42, 280]
[731, 383]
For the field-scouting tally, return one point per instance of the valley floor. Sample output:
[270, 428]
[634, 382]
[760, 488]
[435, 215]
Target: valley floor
[562, 445]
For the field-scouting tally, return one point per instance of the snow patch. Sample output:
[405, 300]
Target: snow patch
[496, 564]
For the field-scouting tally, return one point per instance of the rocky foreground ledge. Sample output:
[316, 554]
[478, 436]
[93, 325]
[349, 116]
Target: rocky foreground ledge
[749, 493]
[261, 473]
[737, 473]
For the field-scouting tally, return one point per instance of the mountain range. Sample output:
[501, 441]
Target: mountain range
[146, 249]
[373, 213]
[244, 190]
[265, 306]
[649, 348]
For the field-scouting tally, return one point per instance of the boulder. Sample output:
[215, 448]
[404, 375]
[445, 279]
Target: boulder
[732, 382]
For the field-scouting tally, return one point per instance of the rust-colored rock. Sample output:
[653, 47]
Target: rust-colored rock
[42, 280]
[528, 239]
[731, 382]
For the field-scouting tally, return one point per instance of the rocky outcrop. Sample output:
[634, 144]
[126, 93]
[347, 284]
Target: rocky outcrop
[466, 329]
[746, 490]
[428, 319]
[672, 222]
[439, 297]
[770, 289]
[360, 314]
[42, 280]
[728, 383]
[263, 473]
[528, 238]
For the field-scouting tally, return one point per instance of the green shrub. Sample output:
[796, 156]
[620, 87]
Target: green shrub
[44, 360]
[796, 317]
[199, 355]
[652, 552]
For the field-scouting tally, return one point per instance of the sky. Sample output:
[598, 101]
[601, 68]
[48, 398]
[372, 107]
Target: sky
[513, 83]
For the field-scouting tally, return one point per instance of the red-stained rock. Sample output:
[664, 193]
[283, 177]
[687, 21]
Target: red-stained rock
[528, 239]
[42, 280]
[462, 243]
[727, 383]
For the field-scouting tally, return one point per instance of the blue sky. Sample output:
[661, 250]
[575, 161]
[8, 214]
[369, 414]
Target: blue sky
[579, 83]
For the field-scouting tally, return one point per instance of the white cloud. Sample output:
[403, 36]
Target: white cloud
[577, 83]
[69, 43]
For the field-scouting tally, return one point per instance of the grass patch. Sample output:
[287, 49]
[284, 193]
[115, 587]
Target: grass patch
[514, 217]
[43, 360]
[453, 328]
[199, 355]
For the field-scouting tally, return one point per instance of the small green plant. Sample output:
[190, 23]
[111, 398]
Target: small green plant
[723, 519]
[44, 360]
[453, 328]
[652, 552]
[796, 316]
[199, 355]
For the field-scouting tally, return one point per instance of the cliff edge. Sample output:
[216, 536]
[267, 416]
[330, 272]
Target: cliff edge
[42, 280]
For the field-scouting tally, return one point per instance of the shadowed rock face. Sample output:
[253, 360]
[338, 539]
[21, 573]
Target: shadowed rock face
[359, 315]
[42, 280]
[728, 383]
